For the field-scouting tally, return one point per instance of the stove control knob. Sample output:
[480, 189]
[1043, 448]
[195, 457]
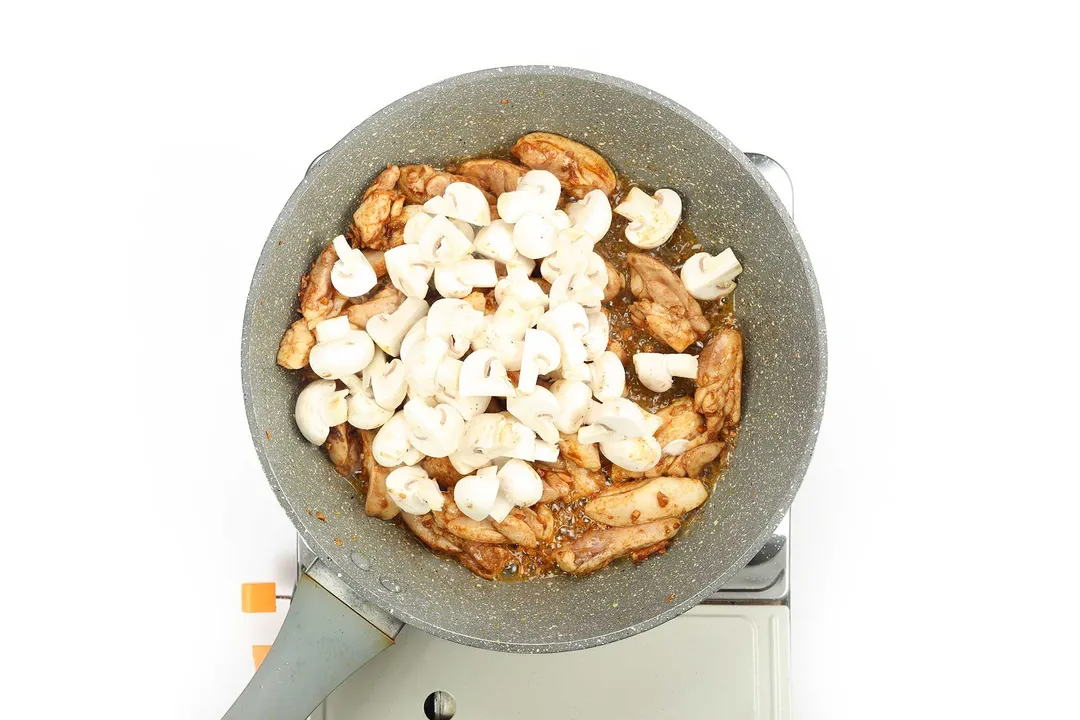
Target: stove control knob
[258, 654]
[258, 598]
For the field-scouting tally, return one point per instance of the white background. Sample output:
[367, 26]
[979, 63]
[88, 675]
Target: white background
[147, 151]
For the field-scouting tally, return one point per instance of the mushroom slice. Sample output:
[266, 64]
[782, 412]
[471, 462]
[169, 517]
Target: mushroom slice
[447, 380]
[409, 270]
[598, 335]
[540, 356]
[535, 235]
[412, 490]
[387, 380]
[364, 411]
[443, 242]
[519, 483]
[462, 201]
[352, 274]
[536, 408]
[707, 277]
[389, 329]
[423, 365]
[475, 494]
[614, 420]
[391, 446]
[435, 431]
[597, 548]
[608, 377]
[573, 398]
[341, 350]
[457, 322]
[646, 501]
[496, 241]
[319, 407]
[591, 214]
[567, 323]
[537, 192]
[652, 219]
[657, 371]
[636, 454]
[482, 373]
[576, 287]
[458, 279]
[578, 167]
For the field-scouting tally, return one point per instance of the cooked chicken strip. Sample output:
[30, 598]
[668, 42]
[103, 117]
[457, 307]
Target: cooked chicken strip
[380, 204]
[424, 527]
[578, 167]
[386, 300]
[420, 183]
[453, 521]
[645, 501]
[719, 377]
[663, 305]
[377, 260]
[517, 530]
[442, 470]
[487, 561]
[343, 447]
[377, 503]
[615, 282]
[295, 346]
[498, 175]
[597, 548]
[587, 456]
[620, 352]
[556, 484]
[682, 423]
[318, 299]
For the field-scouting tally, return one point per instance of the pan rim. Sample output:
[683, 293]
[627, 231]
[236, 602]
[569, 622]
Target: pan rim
[683, 604]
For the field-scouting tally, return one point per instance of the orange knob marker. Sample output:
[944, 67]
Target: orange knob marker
[258, 654]
[258, 597]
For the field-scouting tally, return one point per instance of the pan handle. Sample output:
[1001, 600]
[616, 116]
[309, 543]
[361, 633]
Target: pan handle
[321, 643]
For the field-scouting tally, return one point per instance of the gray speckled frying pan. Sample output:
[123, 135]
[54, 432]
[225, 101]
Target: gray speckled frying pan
[379, 567]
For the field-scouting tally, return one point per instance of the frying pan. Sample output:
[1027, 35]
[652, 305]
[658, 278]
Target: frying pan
[371, 576]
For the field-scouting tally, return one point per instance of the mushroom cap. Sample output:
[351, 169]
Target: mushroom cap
[443, 242]
[463, 201]
[598, 335]
[453, 317]
[496, 241]
[608, 377]
[540, 355]
[389, 329]
[415, 334]
[352, 274]
[707, 277]
[387, 379]
[458, 279]
[345, 355]
[435, 431]
[634, 454]
[616, 419]
[652, 219]
[413, 490]
[365, 412]
[537, 191]
[535, 235]
[567, 323]
[391, 446]
[520, 483]
[676, 447]
[500, 508]
[414, 227]
[651, 369]
[482, 373]
[409, 270]
[423, 364]
[592, 213]
[537, 409]
[576, 287]
[573, 397]
[320, 406]
[475, 494]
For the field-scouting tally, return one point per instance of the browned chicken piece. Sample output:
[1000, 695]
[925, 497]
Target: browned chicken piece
[386, 300]
[420, 183]
[579, 481]
[478, 300]
[663, 306]
[395, 227]
[615, 282]
[638, 556]
[556, 485]
[487, 561]
[719, 377]
[578, 167]
[646, 501]
[597, 548]
[318, 299]
[587, 456]
[381, 203]
[442, 470]
[498, 175]
[682, 423]
[620, 352]
[377, 503]
[460, 525]
[526, 527]
[343, 447]
[377, 260]
[424, 527]
[295, 346]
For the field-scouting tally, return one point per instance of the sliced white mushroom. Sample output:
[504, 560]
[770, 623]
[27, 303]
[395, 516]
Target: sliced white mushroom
[596, 339]
[415, 334]
[423, 364]
[475, 494]
[365, 412]
[320, 406]
[573, 398]
[457, 322]
[486, 437]
[616, 419]
[391, 446]
[576, 287]
[500, 508]
[707, 277]
[525, 291]
[467, 229]
[591, 214]
[519, 440]
[386, 379]
[567, 323]
[509, 351]
[519, 483]
[522, 263]
[389, 329]
[535, 235]
[460, 278]
[540, 356]
[340, 353]
[546, 452]
[608, 378]
[482, 373]
[443, 242]
[414, 227]
[537, 191]
[574, 371]
[447, 381]
[435, 431]
[634, 454]
[413, 490]
[657, 371]
[352, 274]
[462, 201]
[409, 270]
[537, 409]
[652, 219]
[496, 241]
